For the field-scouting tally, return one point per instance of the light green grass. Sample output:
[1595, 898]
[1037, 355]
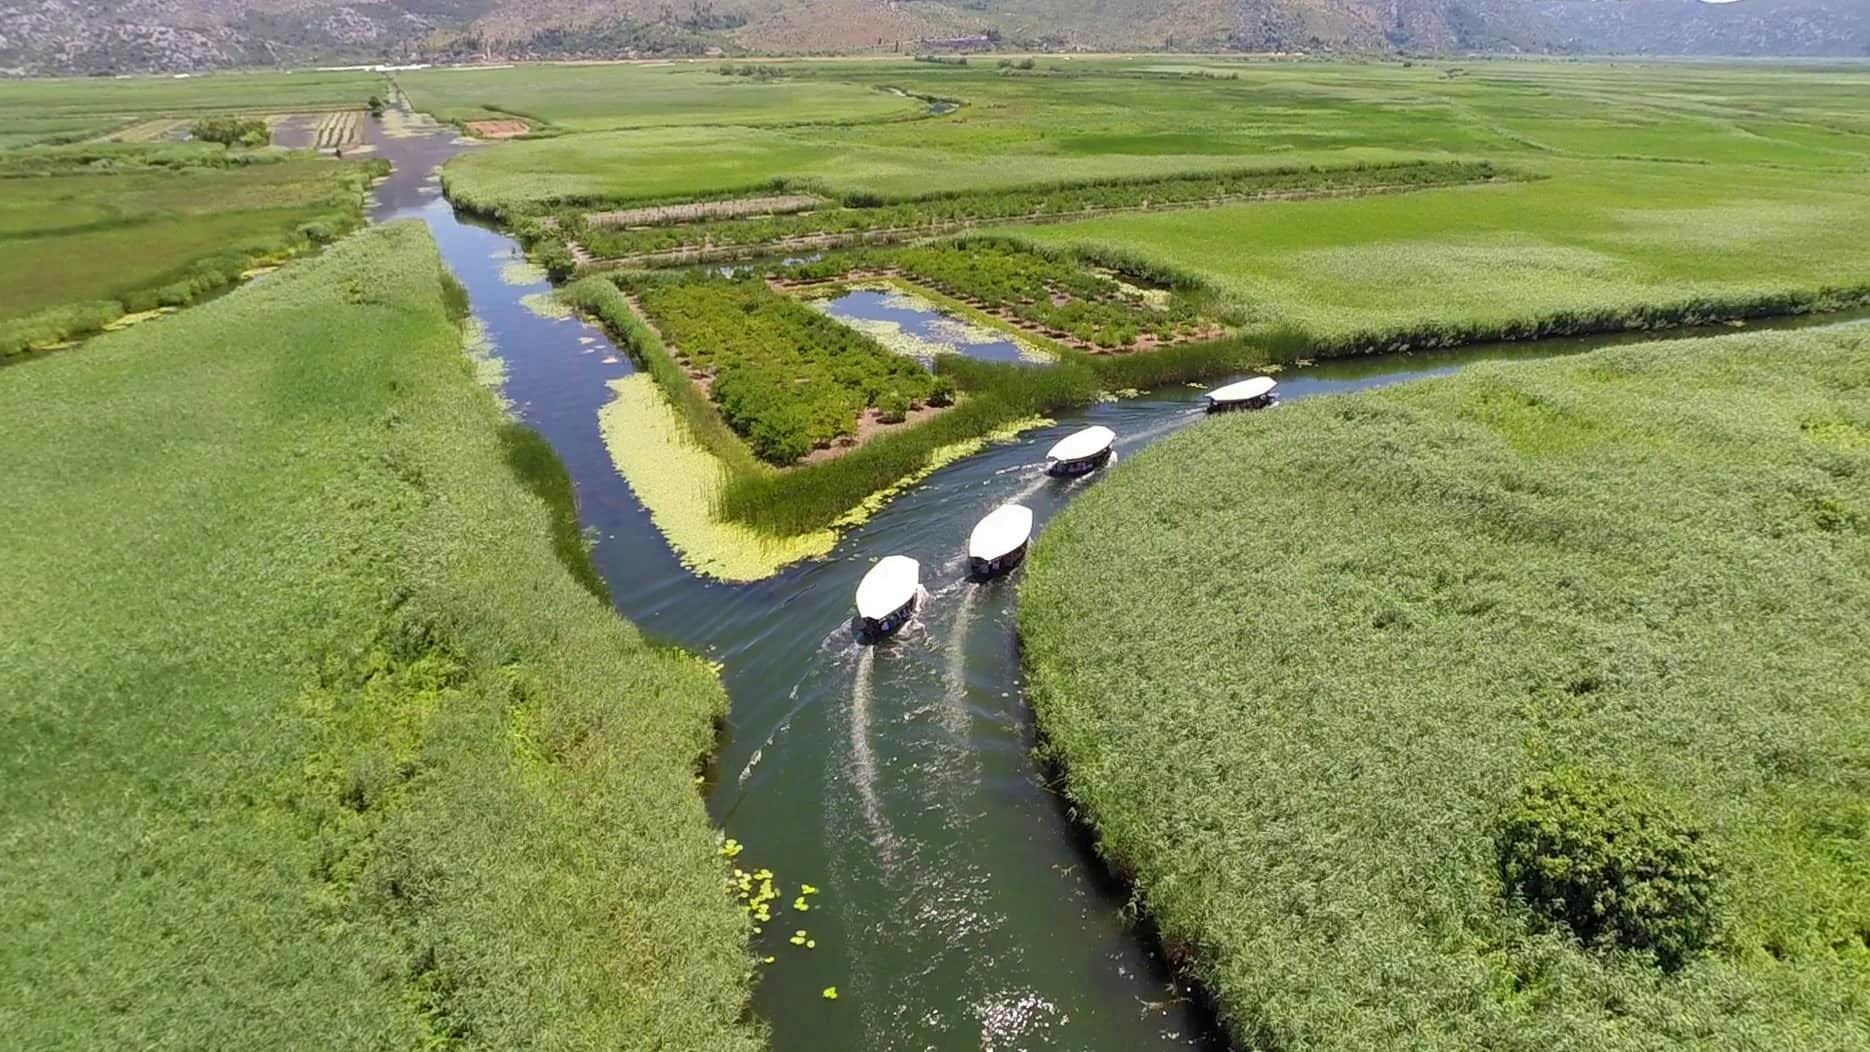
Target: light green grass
[1298, 724]
[1450, 265]
[603, 96]
[312, 738]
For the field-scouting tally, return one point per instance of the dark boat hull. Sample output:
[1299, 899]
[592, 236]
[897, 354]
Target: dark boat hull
[1071, 469]
[1251, 403]
[873, 630]
[983, 569]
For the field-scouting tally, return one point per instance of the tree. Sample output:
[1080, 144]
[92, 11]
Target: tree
[1619, 870]
[232, 131]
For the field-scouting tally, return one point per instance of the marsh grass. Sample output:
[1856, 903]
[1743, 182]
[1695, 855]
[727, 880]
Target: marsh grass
[1435, 594]
[312, 732]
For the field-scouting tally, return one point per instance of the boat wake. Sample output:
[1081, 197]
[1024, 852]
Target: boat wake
[863, 767]
[954, 714]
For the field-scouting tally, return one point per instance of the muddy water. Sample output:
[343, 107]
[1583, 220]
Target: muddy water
[959, 908]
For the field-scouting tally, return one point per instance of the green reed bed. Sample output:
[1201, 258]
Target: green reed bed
[868, 214]
[311, 732]
[1520, 709]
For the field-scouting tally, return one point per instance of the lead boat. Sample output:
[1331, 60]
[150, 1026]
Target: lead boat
[887, 597]
[1080, 452]
[1256, 393]
[998, 542]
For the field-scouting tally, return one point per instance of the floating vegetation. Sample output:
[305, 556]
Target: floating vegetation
[522, 272]
[546, 305]
[489, 367]
[680, 483]
[924, 329]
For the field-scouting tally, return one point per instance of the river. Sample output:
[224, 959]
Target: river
[959, 905]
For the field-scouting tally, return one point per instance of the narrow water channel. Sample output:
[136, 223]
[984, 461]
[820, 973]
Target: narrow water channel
[959, 908]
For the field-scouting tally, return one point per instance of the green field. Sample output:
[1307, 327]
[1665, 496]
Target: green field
[91, 233]
[1595, 244]
[66, 110]
[603, 96]
[314, 736]
[1350, 634]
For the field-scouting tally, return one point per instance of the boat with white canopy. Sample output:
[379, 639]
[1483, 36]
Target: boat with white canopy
[887, 596]
[1256, 393]
[998, 542]
[1080, 452]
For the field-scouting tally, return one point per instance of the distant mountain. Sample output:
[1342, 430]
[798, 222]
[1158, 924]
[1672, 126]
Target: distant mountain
[110, 36]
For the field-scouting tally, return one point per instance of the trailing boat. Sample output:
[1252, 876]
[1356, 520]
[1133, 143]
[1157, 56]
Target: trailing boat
[887, 597]
[1080, 452]
[998, 542]
[1256, 393]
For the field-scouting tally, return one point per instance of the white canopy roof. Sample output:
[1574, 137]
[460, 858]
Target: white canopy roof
[891, 583]
[1081, 444]
[1001, 532]
[1245, 390]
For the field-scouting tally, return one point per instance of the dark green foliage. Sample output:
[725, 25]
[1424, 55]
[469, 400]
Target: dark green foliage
[1347, 632]
[814, 496]
[376, 105]
[232, 131]
[537, 466]
[872, 217]
[1618, 870]
[785, 377]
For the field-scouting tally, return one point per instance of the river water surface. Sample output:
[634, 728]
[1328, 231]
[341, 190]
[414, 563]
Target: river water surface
[958, 906]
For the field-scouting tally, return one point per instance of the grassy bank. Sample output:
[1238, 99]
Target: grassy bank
[1521, 709]
[90, 233]
[312, 735]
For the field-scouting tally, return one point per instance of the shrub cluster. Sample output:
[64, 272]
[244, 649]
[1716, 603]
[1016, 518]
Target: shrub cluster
[786, 378]
[1617, 870]
[232, 131]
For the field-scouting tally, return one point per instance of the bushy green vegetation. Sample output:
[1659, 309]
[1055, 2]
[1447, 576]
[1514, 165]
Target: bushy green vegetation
[1307, 727]
[232, 131]
[1620, 872]
[1051, 291]
[94, 232]
[785, 377]
[311, 737]
[867, 218]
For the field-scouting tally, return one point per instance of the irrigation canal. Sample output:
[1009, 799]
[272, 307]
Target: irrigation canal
[959, 906]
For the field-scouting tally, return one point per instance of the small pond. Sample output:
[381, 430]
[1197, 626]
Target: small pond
[909, 324]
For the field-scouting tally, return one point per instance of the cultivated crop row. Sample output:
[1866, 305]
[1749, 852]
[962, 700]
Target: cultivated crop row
[784, 377]
[336, 129]
[696, 211]
[1055, 294]
[604, 236]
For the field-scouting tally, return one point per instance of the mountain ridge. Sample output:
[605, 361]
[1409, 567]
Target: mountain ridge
[132, 36]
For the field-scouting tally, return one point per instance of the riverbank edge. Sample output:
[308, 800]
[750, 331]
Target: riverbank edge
[68, 325]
